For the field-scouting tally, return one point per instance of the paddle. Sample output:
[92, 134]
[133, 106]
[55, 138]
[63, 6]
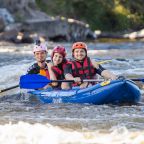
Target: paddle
[34, 81]
[105, 61]
[9, 88]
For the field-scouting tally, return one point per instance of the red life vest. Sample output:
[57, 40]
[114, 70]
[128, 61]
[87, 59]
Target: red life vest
[84, 70]
[59, 71]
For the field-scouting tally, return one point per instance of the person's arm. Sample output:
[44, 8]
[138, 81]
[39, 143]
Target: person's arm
[108, 75]
[68, 74]
[51, 74]
[103, 72]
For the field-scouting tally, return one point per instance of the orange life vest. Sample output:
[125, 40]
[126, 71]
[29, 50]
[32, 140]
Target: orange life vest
[44, 72]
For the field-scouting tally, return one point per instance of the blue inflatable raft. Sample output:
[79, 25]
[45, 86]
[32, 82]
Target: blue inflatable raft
[108, 92]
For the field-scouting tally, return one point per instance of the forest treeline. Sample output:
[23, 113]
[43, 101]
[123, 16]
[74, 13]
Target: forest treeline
[105, 15]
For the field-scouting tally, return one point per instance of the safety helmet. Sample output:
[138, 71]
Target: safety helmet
[39, 47]
[79, 45]
[59, 49]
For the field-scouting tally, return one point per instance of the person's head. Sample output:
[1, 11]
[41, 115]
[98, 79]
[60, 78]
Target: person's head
[40, 52]
[79, 50]
[58, 55]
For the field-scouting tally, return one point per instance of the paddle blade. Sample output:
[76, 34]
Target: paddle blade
[33, 81]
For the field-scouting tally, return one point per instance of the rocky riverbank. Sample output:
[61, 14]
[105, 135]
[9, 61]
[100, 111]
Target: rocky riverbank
[22, 22]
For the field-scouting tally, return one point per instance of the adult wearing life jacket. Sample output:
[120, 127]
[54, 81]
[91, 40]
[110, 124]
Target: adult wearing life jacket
[82, 67]
[42, 66]
[59, 62]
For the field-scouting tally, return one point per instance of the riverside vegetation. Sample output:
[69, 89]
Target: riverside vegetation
[106, 15]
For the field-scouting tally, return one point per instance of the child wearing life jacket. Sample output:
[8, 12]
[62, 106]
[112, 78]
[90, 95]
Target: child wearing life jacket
[42, 66]
[82, 67]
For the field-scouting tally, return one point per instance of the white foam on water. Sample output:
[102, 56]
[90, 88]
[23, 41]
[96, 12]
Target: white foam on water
[21, 49]
[25, 133]
[7, 50]
[10, 74]
[17, 48]
[94, 52]
[139, 71]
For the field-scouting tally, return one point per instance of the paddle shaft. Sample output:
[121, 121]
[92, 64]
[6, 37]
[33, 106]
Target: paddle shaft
[85, 80]
[93, 80]
[105, 61]
[9, 88]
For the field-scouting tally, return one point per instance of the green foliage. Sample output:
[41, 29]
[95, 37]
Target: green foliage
[107, 15]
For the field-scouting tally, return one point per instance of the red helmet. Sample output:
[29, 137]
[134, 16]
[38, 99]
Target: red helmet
[59, 49]
[79, 45]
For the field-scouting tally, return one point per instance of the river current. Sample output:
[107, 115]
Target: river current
[25, 122]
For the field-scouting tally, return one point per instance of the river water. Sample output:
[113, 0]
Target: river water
[25, 122]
